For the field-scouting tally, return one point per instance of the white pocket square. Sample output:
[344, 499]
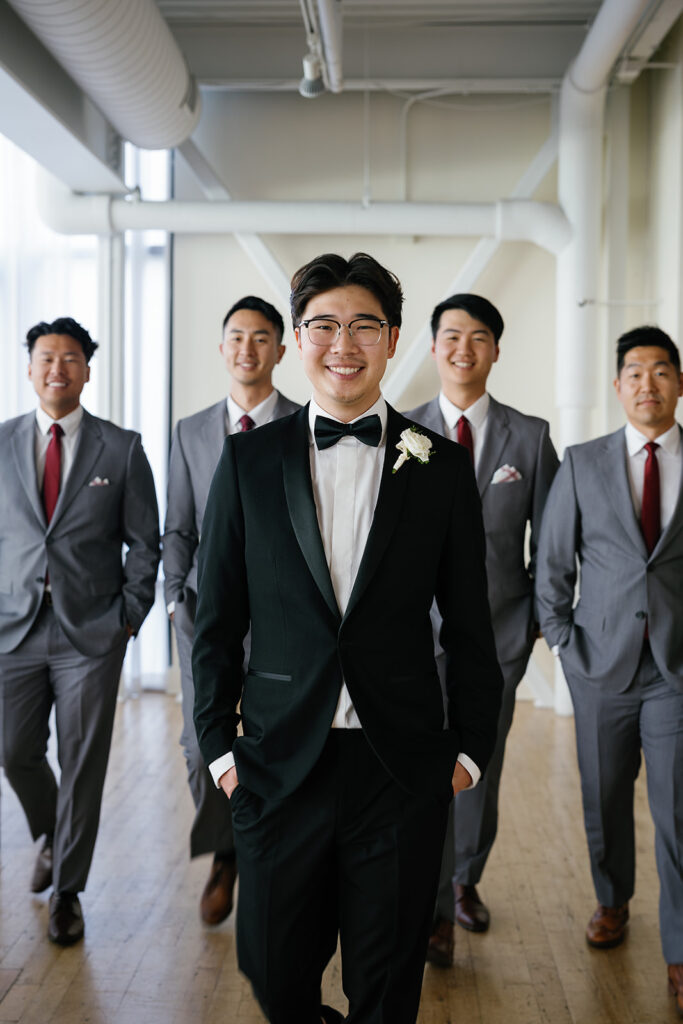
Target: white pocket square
[506, 475]
[98, 481]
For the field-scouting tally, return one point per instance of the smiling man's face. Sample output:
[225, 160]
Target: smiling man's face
[58, 371]
[346, 375]
[465, 349]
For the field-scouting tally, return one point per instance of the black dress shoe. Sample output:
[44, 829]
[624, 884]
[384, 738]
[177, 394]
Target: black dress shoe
[66, 919]
[216, 901]
[42, 871]
[441, 942]
[470, 912]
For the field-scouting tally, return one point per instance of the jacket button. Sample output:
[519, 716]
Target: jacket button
[641, 615]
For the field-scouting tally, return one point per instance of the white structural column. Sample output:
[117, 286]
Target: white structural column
[580, 170]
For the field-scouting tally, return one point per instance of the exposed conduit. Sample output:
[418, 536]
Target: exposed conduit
[123, 56]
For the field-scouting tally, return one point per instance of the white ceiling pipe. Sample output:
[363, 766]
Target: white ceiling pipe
[513, 220]
[580, 156]
[330, 21]
[123, 56]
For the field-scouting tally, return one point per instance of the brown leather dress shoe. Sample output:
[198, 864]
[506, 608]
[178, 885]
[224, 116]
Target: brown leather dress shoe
[607, 926]
[441, 943]
[676, 985]
[42, 870]
[470, 912]
[66, 919]
[216, 901]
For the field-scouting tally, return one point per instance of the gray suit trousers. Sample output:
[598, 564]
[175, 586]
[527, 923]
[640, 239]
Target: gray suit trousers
[611, 729]
[211, 830]
[473, 816]
[46, 670]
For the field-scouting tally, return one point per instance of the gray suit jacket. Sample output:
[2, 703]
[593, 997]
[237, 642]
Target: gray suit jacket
[195, 450]
[95, 593]
[590, 518]
[523, 442]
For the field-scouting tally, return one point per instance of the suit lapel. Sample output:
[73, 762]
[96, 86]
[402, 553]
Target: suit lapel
[23, 445]
[88, 448]
[615, 481]
[676, 520]
[433, 419]
[392, 491]
[215, 429]
[296, 469]
[497, 434]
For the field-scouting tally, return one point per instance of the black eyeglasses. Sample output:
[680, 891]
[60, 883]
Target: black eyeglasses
[323, 330]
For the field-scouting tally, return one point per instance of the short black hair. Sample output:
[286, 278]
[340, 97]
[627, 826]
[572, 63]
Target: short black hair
[646, 337]
[259, 306]
[332, 271]
[62, 325]
[478, 308]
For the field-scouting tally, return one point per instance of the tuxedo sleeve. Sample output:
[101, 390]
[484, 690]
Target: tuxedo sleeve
[557, 570]
[222, 617]
[180, 538]
[140, 527]
[472, 675]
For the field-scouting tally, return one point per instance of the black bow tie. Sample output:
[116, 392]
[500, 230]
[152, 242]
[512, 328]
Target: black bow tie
[328, 432]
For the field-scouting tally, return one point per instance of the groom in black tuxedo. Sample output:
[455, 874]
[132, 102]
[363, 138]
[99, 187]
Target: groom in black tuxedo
[330, 532]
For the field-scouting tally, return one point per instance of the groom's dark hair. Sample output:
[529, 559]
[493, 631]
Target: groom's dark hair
[476, 306]
[332, 271]
[646, 337]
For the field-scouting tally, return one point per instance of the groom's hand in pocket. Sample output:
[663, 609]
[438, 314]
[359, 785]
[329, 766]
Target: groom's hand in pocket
[461, 778]
[228, 781]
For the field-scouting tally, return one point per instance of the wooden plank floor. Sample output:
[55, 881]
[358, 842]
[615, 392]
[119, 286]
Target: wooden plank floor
[147, 959]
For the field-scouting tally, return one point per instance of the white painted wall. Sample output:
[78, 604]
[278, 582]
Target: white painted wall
[459, 148]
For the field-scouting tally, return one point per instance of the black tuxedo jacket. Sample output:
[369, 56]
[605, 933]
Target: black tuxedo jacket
[262, 562]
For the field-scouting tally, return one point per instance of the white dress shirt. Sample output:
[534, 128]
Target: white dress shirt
[668, 456]
[260, 414]
[346, 479]
[476, 415]
[70, 424]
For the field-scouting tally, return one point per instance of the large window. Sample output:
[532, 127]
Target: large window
[44, 275]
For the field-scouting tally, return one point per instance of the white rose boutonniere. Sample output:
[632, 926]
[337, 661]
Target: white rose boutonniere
[413, 444]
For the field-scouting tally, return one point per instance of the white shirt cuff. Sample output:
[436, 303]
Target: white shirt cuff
[471, 767]
[170, 607]
[220, 766]
[555, 649]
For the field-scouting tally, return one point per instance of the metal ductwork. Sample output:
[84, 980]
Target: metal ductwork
[123, 56]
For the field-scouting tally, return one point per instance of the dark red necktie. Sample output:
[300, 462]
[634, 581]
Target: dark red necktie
[246, 423]
[650, 513]
[53, 471]
[464, 435]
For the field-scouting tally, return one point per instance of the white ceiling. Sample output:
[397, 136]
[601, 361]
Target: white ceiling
[260, 43]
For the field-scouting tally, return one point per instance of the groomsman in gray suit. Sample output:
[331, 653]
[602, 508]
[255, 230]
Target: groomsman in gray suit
[74, 490]
[616, 507]
[515, 463]
[251, 347]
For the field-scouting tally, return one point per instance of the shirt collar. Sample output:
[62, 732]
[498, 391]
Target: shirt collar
[378, 409]
[69, 423]
[260, 414]
[670, 441]
[475, 413]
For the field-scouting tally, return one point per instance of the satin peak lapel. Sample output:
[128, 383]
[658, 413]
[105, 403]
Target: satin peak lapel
[612, 461]
[23, 444]
[392, 492]
[88, 448]
[296, 471]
